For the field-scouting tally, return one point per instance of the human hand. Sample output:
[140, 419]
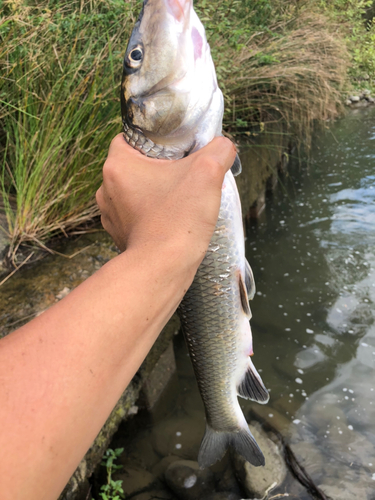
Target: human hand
[147, 201]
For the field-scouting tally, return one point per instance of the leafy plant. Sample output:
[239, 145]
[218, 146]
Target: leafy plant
[113, 489]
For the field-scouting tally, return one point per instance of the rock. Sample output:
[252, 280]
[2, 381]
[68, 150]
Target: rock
[158, 379]
[310, 457]
[178, 436]
[151, 495]
[224, 495]
[188, 481]
[354, 98]
[348, 102]
[344, 491]
[272, 417]
[226, 481]
[134, 479]
[159, 469]
[258, 481]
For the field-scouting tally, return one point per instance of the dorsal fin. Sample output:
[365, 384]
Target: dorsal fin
[249, 281]
[244, 298]
[236, 168]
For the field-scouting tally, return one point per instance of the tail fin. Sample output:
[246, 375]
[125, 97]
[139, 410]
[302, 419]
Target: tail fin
[215, 444]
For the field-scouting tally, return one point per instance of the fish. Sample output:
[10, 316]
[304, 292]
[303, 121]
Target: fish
[171, 106]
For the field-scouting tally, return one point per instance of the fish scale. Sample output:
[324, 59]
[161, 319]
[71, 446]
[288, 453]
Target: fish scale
[172, 106]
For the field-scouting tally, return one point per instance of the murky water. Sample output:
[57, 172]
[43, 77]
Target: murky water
[313, 257]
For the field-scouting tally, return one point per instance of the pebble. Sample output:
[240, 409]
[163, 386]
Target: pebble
[188, 481]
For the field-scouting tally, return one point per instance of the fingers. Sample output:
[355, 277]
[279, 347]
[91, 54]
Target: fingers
[220, 150]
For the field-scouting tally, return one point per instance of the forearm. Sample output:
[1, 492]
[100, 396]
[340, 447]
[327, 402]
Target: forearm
[61, 374]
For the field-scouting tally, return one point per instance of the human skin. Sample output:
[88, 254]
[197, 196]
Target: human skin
[62, 373]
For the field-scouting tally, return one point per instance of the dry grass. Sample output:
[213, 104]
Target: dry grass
[296, 78]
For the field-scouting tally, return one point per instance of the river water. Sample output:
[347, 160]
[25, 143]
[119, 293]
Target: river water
[313, 258]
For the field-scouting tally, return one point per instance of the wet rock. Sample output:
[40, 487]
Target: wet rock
[354, 98]
[152, 495]
[310, 457]
[258, 481]
[188, 481]
[134, 479]
[224, 495]
[226, 478]
[344, 491]
[159, 469]
[178, 436]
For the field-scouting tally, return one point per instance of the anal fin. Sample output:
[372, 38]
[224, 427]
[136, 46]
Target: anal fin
[252, 387]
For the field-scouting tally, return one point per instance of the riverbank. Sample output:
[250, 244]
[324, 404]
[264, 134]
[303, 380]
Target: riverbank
[60, 100]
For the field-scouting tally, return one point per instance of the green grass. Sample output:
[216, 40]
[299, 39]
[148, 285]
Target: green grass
[61, 64]
[59, 109]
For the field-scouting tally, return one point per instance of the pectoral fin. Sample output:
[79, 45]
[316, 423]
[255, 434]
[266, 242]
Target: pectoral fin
[236, 168]
[244, 297]
[249, 281]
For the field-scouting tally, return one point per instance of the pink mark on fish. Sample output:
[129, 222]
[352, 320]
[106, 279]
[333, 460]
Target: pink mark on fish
[197, 42]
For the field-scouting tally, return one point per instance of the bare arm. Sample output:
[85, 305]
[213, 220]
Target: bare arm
[62, 373]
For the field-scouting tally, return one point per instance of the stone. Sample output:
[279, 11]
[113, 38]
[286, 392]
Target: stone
[178, 436]
[272, 417]
[310, 457]
[224, 495]
[188, 481]
[134, 479]
[354, 98]
[345, 491]
[159, 469]
[158, 379]
[348, 102]
[257, 482]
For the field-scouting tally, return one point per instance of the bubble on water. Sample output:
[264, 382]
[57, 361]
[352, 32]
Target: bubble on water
[309, 331]
[259, 293]
[373, 477]
[270, 415]
[291, 395]
[299, 380]
[296, 421]
[350, 427]
[298, 320]
[350, 331]
[285, 314]
[351, 391]
[280, 305]
[364, 344]
[178, 446]
[287, 329]
[338, 418]
[370, 464]
[300, 371]
[346, 397]
[286, 274]
[340, 432]
[301, 303]
[345, 389]
[308, 314]
[178, 433]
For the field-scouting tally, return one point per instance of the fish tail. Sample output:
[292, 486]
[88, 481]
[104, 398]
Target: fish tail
[215, 444]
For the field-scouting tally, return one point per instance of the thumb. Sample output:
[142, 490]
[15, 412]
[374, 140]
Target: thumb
[221, 151]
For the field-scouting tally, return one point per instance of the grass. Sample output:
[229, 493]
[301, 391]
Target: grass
[59, 92]
[59, 108]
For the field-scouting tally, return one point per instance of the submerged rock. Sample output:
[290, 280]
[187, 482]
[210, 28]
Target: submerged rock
[188, 481]
[223, 495]
[178, 436]
[258, 481]
[134, 479]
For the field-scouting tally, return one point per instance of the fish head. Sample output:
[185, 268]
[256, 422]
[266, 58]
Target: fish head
[169, 78]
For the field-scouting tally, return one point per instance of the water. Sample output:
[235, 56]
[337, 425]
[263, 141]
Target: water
[313, 257]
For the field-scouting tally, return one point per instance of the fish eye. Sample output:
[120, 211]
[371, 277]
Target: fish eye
[135, 57]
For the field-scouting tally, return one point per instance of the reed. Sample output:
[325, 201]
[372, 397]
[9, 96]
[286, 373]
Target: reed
[60, 67]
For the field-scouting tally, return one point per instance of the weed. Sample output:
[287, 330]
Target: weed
[113, 489]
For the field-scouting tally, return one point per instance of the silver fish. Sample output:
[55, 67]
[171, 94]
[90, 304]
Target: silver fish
[172, 106]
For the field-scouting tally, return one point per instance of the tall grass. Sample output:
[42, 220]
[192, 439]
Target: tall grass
[60, 70]
[59, 109]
